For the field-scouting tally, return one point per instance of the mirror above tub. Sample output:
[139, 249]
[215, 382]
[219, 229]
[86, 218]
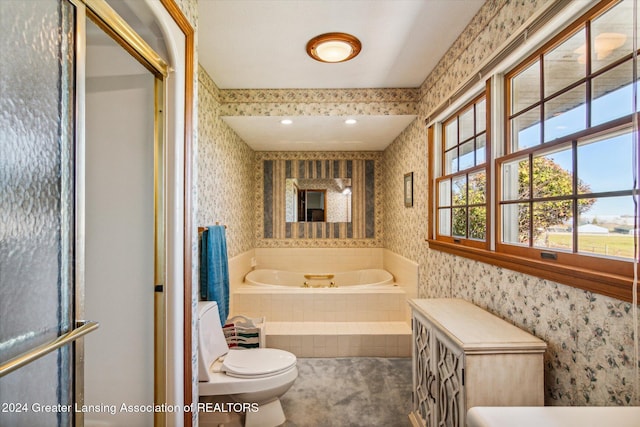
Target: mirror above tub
[318, 200]
[296, 199]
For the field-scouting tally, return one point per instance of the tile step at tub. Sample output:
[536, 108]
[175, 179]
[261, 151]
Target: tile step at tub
[341, 339]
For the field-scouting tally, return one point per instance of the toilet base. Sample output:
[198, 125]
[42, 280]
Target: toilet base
[268, 415]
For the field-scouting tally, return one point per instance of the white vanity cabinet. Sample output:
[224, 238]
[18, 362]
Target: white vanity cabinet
[464, 356]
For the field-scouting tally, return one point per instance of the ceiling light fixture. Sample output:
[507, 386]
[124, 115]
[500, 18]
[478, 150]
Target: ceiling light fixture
[286, 121]
[333, 47]
[351, 121]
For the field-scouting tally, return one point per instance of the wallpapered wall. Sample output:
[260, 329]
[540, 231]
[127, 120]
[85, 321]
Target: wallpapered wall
[226, 179]
[589, 336]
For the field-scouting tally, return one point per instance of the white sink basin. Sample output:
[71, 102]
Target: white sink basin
[554, 416]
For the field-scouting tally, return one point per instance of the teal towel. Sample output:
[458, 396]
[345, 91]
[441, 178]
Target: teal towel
[214, 269]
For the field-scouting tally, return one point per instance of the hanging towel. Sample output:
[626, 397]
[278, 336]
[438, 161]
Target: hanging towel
[214, 269]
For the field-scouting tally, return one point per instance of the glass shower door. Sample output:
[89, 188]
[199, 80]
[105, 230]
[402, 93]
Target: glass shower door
[37, 229]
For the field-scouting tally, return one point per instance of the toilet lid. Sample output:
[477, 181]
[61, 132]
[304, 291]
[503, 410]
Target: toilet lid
[257, 362]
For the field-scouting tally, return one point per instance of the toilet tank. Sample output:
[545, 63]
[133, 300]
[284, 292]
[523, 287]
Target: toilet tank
[211, 341]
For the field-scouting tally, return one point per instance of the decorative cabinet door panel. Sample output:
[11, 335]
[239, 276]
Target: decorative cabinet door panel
[424, 398]
[450, 386]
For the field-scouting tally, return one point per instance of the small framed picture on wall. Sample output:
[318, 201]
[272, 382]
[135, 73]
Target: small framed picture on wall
[408, 189]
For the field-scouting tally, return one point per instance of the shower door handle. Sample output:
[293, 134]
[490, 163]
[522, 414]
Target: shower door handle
[83, 328]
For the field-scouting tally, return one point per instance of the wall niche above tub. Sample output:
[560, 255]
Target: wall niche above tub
[275, 173]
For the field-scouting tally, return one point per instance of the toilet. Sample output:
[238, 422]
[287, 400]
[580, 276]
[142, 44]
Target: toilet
[253, 376]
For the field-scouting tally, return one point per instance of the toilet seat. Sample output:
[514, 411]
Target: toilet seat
[257, 362]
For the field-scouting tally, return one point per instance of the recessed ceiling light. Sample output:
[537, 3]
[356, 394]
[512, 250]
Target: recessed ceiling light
[351, 121]
[333, 47]
[286, 121]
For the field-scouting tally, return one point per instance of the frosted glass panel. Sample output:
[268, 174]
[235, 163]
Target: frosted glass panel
[36, 200]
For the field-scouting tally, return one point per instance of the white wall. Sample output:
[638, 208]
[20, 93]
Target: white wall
[119, 284]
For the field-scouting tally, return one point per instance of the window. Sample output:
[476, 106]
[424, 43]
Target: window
[462, 189]
[562, 197]
[567, 180]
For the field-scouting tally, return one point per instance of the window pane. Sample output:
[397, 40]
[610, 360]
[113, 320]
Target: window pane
[444, 222]
[481, 116]
[459, 191]
[459, 226]
[566, 64]
[477, 188]
[612, 35]
[467, 155]
[525, 130]
[613, 155]
[552, 224]
[553, 174]
[466, 124]
[525, 88]
[444, 193]
[515, 180]
[565, 114]
[481, 149]
[611, 94]
[606, 228]
[451, 134]
[451, 161]
[477, 222]
[515, 224]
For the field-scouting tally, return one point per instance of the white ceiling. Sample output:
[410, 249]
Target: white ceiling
[323, 133]
[261, 44]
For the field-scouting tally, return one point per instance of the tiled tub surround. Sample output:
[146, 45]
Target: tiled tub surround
[319, 260]
[329, 322]
[322, 305]
[323, 260]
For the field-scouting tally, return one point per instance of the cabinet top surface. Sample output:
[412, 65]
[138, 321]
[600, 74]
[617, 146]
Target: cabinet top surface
[474, 328]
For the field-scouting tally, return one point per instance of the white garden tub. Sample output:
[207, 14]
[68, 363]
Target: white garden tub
[369, 278]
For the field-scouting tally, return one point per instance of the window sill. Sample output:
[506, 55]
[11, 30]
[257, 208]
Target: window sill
[611, 285]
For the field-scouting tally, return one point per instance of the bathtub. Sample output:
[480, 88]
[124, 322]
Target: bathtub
[369, 279]
[360, 296]
[365, 313]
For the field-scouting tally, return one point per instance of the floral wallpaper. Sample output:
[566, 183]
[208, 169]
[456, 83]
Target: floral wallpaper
[492, 26]
[590, 353]
[589, 358]
[324, 102]
[226, 179]
[405, 228]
